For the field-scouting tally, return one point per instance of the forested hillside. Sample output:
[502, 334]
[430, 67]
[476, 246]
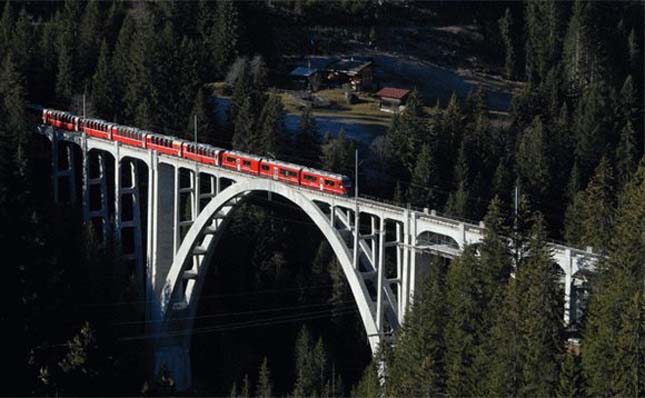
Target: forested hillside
[282, 320]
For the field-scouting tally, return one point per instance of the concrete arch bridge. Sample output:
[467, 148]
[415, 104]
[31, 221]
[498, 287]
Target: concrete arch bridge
[169, 213]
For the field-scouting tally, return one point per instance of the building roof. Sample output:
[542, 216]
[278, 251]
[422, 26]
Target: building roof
[350, 66]
[392, 92]
[303, 71]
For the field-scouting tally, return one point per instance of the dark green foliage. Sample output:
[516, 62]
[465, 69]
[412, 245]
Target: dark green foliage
[596, 209]
[494, 260]
[458, 201]
[244, 138]
[570, 385]
[544, 38]
[612, 352]
[505, 28]
[264, 388]
[338, 154]
[416, 367]
[463, 326]
[406, 133]
[203, 109]
[273, 138]
[532, 166]
[307, 140]
[225, 35]
[425, 180]
[103, 86]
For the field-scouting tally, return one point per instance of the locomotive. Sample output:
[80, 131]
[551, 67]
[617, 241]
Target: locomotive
[285, 172]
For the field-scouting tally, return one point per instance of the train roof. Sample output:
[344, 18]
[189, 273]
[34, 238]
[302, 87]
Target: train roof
[204, 146]
[245, 155]
[325, 173]
[284, 164]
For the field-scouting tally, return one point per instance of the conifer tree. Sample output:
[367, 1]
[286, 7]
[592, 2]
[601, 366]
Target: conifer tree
[102, 85]
[541, 321]
[243, 138]
[21, 44]
[338, 153]
[611, 348]
[90, 37]
[225, 35]
[407, 132]
[495, 259]
[272, 127]
[368, 385]
[458, 200]
[307, 142]
[203, 110]
[120, 64]
[597, 208]
[532, 163]
[425, 180]
[416, 366]
[240, 77]
[264, 388]
[65, 76]
[569, 385]
[544, 38]
[463, 327]
[505, 28]
[6, 26]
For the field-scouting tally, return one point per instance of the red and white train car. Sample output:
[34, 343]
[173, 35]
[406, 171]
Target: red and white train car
[96, 128]
[324, 181]
[129, 136]
[202, 153]
[281, 171]
[60, 119]
[241, 161]
[164, 144]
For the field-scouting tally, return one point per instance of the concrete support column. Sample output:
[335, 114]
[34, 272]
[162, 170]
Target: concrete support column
[176, 212]
[568, 281]
[405, 283]
[356, 233]
[399, 265]
[380, 275]
[413, 256]
[57, 173]
[117, 188]
[85, 188]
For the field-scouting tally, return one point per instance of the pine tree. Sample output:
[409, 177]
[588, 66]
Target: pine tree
[457, 204]
[225, 35]
[581, 50]
[416, 366]
[463, 328]
[102, 85]
[264, 388]
[425, 180]
[21, 43]
[307, 139]
[338, 153]
[532, 163]
[203, 110]
[495, 259]
[368, 385]
[541, 321]
[569, 385]
[505, 28]
[544, 38]
[272, 128]
[6, 27]
[611, 350]
[244, 136]
[240, 77]
[597, 209]
[246, 387]
[120, 63]
[407, 133]
[90, 37]
[65, 76]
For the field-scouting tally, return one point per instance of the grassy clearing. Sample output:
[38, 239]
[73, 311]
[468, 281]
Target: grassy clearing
[364, 112]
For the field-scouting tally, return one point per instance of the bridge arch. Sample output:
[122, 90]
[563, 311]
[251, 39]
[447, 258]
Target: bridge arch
[227, 198]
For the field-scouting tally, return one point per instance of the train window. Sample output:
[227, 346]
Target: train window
[246, 163]
[230, 159]
[288, 173]
[310, 178]
[265, 167]
[330, 183]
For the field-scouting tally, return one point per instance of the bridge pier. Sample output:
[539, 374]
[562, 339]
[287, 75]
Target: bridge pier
[66, 171]
[175, 360]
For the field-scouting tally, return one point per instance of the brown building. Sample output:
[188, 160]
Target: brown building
[358, 73]
[392, 99]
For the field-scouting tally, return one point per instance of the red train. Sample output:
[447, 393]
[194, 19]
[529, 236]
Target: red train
[288, 173]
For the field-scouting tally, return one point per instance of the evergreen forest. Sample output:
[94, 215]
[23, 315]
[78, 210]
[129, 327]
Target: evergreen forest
[564, 163]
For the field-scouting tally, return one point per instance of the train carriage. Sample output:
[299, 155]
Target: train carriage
[281, 171]
[129, 136]
[60, 119]
[164, 144]
[202, 153]
[324, 181]
[96, 128]
[240, 161]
